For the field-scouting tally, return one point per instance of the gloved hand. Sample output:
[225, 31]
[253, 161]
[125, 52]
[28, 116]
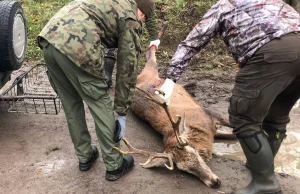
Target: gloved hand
[154, 43]
[167, 88]
[120, 128]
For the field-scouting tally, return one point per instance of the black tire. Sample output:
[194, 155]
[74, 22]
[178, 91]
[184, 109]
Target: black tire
[13, 36]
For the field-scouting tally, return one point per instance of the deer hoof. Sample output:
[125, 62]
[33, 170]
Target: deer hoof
[216, 183]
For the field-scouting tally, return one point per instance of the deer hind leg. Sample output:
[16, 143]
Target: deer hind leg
[218, 118]
[224, 135]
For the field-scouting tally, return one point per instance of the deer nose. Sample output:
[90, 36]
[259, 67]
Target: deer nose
[216, 183]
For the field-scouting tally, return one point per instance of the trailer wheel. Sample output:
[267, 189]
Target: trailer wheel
[13, 36]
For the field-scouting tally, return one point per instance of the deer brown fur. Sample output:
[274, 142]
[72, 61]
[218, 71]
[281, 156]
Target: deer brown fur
[200, 125]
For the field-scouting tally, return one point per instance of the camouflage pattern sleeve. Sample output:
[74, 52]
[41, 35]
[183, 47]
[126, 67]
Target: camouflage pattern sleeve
[201, 34]
[129, 50]
[151, 26]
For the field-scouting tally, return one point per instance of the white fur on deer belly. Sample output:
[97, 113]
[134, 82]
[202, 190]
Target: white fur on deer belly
[296, 105]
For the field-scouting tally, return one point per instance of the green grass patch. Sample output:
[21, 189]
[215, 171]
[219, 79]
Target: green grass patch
[182, 16]
[37, 14]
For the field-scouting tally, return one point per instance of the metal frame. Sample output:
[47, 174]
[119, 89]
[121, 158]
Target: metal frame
[31, 92]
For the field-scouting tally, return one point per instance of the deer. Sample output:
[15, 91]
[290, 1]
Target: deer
[188, 139]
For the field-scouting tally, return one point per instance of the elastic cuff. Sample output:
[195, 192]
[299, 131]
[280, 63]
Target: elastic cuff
[155, 47]
[248, 134]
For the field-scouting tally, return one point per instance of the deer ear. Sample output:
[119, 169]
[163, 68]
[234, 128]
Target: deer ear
[157, 162]
[182, 127]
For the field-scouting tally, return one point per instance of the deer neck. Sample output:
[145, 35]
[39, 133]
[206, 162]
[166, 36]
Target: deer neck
[150, 72]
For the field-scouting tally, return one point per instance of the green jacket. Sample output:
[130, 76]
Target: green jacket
[151, 26]
[84, 28]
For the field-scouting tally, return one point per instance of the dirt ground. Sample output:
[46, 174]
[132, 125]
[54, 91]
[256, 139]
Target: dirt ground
[37, 156]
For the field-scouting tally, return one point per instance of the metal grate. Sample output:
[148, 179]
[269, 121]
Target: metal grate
[31, 92]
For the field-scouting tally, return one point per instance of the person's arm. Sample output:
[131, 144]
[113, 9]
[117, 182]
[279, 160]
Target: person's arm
[201, 34]
[151, 26]
[128, 52]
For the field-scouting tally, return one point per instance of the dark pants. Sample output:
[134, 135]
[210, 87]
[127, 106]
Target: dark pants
[267, 87]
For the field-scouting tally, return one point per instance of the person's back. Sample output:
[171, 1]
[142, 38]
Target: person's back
[250, 23]
[73, 44]
[245, 25]
[81, 30]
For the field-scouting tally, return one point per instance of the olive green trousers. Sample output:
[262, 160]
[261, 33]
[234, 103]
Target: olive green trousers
[267, 87]
[75, 86]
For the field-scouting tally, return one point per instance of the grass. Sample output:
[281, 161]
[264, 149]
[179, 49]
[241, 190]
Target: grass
[37, 14]
[182, 16]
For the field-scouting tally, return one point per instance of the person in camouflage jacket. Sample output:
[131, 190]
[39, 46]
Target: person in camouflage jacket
[111, 53]
[73, 43]
[264, 38]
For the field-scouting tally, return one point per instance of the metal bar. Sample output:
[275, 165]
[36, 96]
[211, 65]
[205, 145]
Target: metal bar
[35, 106]
[56, 111]
[25, 107]
[45, 106]
[27, 97]
[16, 106]
[31, 92]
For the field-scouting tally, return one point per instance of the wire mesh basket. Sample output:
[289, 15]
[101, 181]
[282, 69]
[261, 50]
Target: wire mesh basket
[31, 92]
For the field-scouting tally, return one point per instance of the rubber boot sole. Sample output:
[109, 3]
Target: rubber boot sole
[116, 177]
[88, 167]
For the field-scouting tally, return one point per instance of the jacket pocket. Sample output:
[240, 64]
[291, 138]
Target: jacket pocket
[280, 56]
[93, 87]
[242, 101]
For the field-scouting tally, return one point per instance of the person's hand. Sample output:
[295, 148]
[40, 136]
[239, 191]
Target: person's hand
[166, 90]
[154, 43]
[120, 128]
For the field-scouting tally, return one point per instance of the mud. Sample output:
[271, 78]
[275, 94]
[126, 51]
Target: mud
[37, 155]
[215, 93]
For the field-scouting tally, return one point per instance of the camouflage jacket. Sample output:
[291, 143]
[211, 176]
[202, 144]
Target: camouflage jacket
[151, 26]
[244, 25]
[84, 28]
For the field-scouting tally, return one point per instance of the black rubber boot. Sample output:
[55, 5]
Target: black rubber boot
[88, 165]
[261, 165]
[275, 139]
[127, 165]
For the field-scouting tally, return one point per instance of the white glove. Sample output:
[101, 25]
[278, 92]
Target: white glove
[154, 43]
[167, 87]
